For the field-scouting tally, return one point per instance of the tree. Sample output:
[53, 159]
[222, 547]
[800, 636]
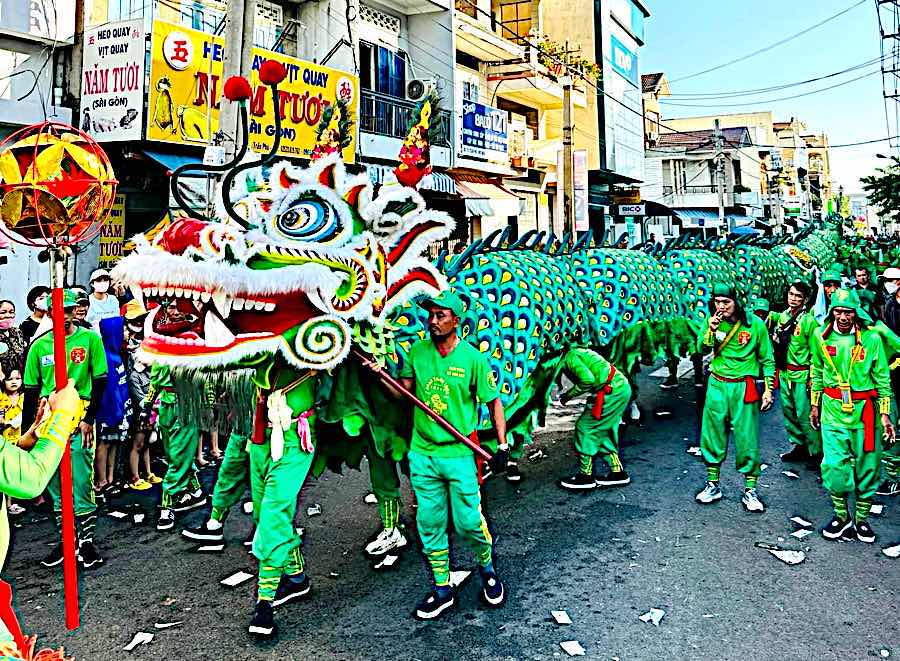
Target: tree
[883, 190]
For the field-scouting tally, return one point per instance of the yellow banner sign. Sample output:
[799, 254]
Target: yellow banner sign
[112, 235]
[186, 88]
[632, 196]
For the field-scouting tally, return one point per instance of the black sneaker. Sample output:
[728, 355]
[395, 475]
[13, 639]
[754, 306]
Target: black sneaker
[837, 528]
[864, 532]
[670, 383]
[580, 482]
[203, 534]
[263, 622]
[166, 520]
[88, 555]
[492, 592]
[513, 474]
[55, 557]
[614, 479]
[814, 463]
[288, 590]
[189, 501]
[248, 542]
[433, 605]
[889, 488]
[796, 455]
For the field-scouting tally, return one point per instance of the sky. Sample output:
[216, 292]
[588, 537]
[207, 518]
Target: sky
[684, 37]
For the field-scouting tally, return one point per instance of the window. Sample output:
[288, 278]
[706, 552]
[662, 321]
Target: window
[532, 116]
[470, 91]
[202, 15]
[515, 15]
[382, 70]
[467, 7]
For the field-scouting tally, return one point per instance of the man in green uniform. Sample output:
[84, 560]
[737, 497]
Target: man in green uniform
[597, 429]
[792, 340]
[181, 490]
[451, 377]
[281, 453]
[27, 466]
[86, 364]
[850, 380]
[890, 459]
[741, 350]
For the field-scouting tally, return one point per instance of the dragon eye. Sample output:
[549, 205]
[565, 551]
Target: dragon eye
[309, 218]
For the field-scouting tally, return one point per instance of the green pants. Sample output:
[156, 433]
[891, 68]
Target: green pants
[595, 436]
[275, 486]
[795, 405]
[385, 485]
[848, 470]
[82, 479]
[890, 461]
[442, 483]
[725, 407]
[233, 478]
[180, 443]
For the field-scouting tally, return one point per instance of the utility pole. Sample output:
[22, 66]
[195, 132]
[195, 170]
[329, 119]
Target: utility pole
[720, 175]
[238, 35]
[76, 63]
[568, 175]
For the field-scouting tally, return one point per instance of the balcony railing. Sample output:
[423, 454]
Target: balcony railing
[690, 190]
[389, 116]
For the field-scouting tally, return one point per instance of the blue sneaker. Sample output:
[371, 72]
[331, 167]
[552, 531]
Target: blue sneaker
[434, 605]
[492, 592]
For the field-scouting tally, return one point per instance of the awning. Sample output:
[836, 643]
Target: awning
[172, 161]
[745, 229]
[436, 181]
[487, 198]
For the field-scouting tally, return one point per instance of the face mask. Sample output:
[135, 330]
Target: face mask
[101, 287]
[41, 304]
[890, 287]
[6, 324]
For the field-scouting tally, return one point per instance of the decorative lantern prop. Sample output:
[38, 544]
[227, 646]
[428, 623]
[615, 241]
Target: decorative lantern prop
[57, 189]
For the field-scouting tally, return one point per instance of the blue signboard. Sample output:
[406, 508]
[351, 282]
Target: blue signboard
[624, 61]
[484, 133]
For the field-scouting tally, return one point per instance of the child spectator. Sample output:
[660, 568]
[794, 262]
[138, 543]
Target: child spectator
[11, 402]
[138, 386]
[112, 426]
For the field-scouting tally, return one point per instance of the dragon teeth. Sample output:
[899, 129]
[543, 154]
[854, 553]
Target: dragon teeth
[223, 302]
[148, 322]
[238, 304]
[269, 307]
[204, 296]
[215, 332]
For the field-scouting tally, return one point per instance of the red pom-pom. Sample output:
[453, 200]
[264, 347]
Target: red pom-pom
[272, 72]
[237, 89]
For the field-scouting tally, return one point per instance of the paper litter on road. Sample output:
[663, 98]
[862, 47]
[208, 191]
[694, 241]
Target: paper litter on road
[537, 455]
[787, 556]
[800, 534]
[387, 561]
[139, 518]
[370, 499]
[168, 625]
[708, 615]
[140, 638]
[654, 616]
[561, 617]
[694, 450]
[892, 551]
[877, 509]
[884, 653]
[210, 548]
[314, 510]
[572, 648]
[763, 467]
[457, 578]
[116, 514]
[801, 522]
[790, 474]
[236, 579]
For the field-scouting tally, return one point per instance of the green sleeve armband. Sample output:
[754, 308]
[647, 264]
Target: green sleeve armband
[710, 338]
[770, 382]
[815, 397]
[59, 427]
[884, 405]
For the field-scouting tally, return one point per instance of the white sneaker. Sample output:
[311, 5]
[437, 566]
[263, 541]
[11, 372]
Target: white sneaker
[751, 502]
[710, 494]
[388, 540]
[166, 520]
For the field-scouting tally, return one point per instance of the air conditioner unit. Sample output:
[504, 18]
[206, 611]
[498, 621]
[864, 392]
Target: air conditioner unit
[418, 88]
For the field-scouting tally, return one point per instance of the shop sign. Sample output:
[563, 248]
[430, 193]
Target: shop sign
[112, 81]
[186, 69]
[485, 133]
[112, 235]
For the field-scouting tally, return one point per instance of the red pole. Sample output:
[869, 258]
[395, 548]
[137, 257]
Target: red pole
[396, 385]
[70, 568]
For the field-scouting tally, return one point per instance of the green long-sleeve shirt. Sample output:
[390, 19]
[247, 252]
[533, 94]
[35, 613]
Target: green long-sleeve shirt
[747, 353]
[161, 384]
[869, 371]
[800, 347]
[589, 372]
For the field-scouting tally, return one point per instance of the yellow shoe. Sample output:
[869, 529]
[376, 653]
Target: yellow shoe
[153, 479]
[140, 485]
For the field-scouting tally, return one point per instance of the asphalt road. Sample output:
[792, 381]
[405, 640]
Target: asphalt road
[605, 557]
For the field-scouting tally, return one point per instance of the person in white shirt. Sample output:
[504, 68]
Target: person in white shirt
[101, 304]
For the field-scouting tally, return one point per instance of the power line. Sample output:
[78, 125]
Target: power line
[771, 46]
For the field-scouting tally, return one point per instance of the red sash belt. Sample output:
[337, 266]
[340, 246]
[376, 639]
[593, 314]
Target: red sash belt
[751, 395]
[597, 410]
[868, 412]
[260, 422]
[797, 368]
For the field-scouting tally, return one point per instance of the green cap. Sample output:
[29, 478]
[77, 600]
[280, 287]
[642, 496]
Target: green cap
[849, 299]
[725, 290]
[832, 275]
[70, 298]
[446, 299]
[760, 305]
